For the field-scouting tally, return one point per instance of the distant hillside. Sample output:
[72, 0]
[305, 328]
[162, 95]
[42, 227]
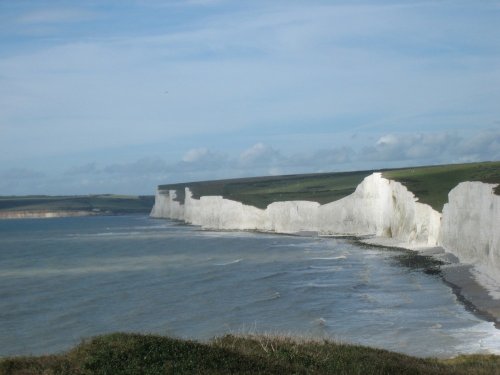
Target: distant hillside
[430, 184]
[97, 204]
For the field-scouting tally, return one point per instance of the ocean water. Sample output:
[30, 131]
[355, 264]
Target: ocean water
[63, 280]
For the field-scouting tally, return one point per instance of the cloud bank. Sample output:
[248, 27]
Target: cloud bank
[141, 176]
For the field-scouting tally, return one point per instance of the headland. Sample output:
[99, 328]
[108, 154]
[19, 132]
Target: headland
[452, 208]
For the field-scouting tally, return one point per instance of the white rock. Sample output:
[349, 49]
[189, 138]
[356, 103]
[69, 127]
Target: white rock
[377, 207]
[166, 206]
[470, 227]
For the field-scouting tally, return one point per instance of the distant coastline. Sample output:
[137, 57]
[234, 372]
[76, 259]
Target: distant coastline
[44, 214]
[38, 207]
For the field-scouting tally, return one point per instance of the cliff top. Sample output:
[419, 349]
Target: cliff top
[430, 184]
[121, 353]
[261, 191]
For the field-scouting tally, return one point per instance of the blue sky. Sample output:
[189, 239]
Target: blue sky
[120, 96]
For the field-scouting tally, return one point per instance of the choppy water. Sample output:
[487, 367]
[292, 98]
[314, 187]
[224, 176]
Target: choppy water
[65, 279]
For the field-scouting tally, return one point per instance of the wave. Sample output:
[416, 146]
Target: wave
[124, 264]
[271, 297]
[331, 258]
[308, 246]
[103, 234]
[120, 234]
[316, 286]
[271, 275]
[330, 267]
[320, 322]
[228, 263]
[323, 269]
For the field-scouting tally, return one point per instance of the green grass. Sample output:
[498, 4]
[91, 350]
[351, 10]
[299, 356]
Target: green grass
[430, 184]
[261, 191]
[99, 203]
[148, 354]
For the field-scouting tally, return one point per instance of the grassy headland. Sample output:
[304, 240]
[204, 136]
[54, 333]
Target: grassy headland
[261, 191]
[147, 354]
[98, 204]
[430, 184]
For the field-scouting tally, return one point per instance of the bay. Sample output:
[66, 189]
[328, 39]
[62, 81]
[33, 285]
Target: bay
[63, 280]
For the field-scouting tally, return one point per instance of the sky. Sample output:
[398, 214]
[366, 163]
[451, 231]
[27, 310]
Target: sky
[119, 96]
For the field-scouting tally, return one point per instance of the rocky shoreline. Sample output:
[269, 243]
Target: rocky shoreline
[460, 277]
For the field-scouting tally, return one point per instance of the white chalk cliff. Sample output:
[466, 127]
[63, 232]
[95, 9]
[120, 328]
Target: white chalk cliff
[470, 229]
[469, 226]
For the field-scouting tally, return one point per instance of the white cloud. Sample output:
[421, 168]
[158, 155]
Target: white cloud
[19, 181]
[56, 16]
[195, 155]
[85, 169]
[142, 175]
[259, 154]
[204, 2]
[387, 140]
[484, 144]
[435, 147]
[20, 174]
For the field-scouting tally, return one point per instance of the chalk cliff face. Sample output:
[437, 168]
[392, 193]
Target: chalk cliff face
[377, 207]
[219, 213]
[383, 208]
[470, 228]
[166, 206]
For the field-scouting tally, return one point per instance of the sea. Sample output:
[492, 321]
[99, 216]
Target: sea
[64, 280]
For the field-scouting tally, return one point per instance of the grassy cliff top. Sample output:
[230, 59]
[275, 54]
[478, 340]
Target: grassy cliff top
[430, 184]
[148, 354]
[261, 191]
[97, 203]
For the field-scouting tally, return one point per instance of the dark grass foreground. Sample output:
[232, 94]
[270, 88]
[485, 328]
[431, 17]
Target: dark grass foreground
[147, 354]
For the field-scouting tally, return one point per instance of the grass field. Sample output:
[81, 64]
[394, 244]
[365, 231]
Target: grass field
[430, 184]
[105, 203]
[147, 354]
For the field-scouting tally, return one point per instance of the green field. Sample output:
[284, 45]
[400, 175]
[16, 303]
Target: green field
[261, 191]
[104, 203]
[430, 184]
[120, 353]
